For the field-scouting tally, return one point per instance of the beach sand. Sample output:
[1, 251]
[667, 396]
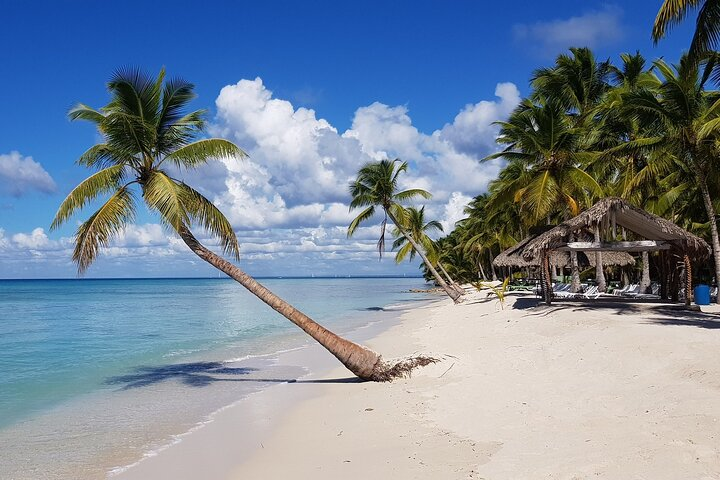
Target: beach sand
[578, 390]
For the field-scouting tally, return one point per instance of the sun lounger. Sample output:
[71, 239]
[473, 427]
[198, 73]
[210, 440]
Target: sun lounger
[591, 292]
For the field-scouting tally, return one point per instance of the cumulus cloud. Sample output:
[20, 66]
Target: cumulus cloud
[20, 175]
[300, 165]
[592, 29]
[472, 131]
[454, 210]
[34, 240]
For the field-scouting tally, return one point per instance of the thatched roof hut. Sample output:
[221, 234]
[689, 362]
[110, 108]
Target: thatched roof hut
[659, 234]
[512, 257]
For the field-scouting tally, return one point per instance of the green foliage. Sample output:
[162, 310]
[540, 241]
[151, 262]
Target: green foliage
[588, 129]
[144, 125]
[498, 290]
[376, 185]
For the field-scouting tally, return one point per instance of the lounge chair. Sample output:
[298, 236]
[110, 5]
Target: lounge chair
[591, 292]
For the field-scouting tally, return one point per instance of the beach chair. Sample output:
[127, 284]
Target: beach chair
[562, 290]
[632, 290]
[654, 292]
[592, 292]
[619, 291]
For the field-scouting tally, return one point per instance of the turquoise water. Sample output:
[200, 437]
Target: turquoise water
[74, 353]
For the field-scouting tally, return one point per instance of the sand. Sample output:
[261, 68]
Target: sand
[578, 390]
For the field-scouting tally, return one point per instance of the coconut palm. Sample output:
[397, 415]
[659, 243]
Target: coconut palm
[688, 118]
[147, 132]
[577, 82]
[542, 138]
[707, 25]
[377, 186]
[416, 226]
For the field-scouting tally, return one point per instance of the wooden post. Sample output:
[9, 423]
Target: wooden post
[545, 274]
[663, 275]
[599, 274]
[688, 279]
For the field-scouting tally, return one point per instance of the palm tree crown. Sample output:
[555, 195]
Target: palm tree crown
[416, 226]
[145, 130]
[377, 186]
[707, 25]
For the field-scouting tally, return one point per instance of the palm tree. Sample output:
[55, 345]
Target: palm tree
[377, 186]
[418, 228]
[577, 82]
[707, 25]
[688, 120]
[542, 137]
[145, 130]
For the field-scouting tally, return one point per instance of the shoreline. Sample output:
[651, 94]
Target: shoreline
[312, 357]
[578, 390]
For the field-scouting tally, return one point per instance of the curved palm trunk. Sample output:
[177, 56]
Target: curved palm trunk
[645, 280]
[481, 271]
[715, 238]
[361, 361]
[492, 267]
[452, 282]
[452, 293]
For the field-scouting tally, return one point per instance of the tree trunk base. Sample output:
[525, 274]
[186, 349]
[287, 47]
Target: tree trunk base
[388, 371]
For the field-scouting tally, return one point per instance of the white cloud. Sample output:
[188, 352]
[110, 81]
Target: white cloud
[300, 165]
[20, 175]
[454, 210]
[592, 29]
[472, 131]
[33, 241]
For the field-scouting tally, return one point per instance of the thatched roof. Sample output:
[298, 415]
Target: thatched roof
[633, 219]
[512, 257]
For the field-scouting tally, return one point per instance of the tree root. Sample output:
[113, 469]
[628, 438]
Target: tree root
[388, 371]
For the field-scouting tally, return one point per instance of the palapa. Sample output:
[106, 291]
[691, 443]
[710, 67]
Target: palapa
[613, 212]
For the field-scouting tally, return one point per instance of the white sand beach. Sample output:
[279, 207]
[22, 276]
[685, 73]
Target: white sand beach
[577, 390]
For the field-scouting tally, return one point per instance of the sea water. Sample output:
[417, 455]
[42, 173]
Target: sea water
[96, 373]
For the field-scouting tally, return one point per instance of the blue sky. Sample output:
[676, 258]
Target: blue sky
[310, 89]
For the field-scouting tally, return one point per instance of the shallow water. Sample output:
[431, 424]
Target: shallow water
[95, 371]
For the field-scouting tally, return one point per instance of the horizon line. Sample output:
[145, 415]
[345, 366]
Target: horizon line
[261, 277]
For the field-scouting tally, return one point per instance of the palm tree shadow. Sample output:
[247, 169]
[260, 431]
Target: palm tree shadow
[687, 319]
[202, 374]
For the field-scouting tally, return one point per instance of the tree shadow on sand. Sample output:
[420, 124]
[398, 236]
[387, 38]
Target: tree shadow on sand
[687, 319]
[202, 374]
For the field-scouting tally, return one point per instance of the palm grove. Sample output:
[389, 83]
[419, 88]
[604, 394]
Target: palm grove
[645, 132]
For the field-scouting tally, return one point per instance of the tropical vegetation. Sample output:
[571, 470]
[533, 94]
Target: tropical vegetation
[648, 132]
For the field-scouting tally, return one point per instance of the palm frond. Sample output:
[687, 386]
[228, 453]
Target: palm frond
[199, 152]
[164, 195]
[102, 226]
[98, 183]
[204, 212]
[411, 194]
[361, 218]
[83, 112]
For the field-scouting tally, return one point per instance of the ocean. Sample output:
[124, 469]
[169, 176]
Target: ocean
[96, 374]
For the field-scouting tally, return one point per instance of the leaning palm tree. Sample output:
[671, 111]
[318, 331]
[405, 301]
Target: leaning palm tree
[145, 130]
[418, 228]
[377, 186]
[707, 25]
